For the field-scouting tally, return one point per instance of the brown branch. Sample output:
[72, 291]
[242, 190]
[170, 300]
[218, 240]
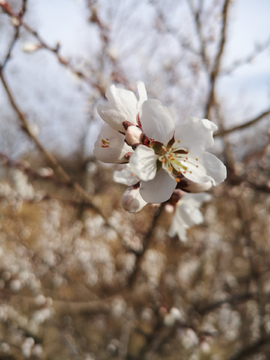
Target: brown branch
[198, 24]
[243, 126]
[15, 37]
[24, 167]
[215, 71]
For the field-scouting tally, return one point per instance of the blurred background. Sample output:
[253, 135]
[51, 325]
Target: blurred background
[79, 277]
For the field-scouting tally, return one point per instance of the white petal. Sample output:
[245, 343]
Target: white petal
[122, 107]
[178, 227]
[196, 135]
[207, 168]
[125, 176]
[214, 168]
[143, 163]
[132, 201]
[159, 189]
[157, 122]
[187, 214]
[110, 146]
[192, 187]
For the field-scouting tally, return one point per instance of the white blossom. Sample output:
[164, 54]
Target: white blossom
[187, 214]
[174, 155]
[163, 158]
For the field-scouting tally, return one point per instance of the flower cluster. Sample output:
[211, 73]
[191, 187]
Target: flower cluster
[161, 158]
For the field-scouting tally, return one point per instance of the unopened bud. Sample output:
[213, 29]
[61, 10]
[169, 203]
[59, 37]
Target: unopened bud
[46, 172]
[133, 135]
[30, 47]
[14, 21]
[131, 200]
[176, 314]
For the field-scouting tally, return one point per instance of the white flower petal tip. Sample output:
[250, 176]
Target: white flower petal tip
[110, 147]
[192, 187]
[123, 106]
[187, 214]
[143, 163]
[142, 94]
[156, 120]
[131, 200]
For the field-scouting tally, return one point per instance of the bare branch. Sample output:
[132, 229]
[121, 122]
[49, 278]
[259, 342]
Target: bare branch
[215, 71]
[248, 59]
[196, 14]
[243, 126]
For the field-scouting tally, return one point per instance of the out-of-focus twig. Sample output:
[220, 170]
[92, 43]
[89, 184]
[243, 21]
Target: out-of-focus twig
[248, 59]
[15, 37]
[24, 167]
[235, 299]
[197, 18]
[215, 71]
[55, 50]
[243, 126]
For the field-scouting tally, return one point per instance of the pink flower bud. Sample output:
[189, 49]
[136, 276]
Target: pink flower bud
[133, 135]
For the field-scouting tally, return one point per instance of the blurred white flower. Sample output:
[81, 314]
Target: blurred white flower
[187, 214]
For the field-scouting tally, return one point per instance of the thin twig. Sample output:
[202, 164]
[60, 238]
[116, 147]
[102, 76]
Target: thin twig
[243, 126]
[235, 299]
[198, 24]
[15, 37]
[248, 59]
[215, 71]
[55, 50]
